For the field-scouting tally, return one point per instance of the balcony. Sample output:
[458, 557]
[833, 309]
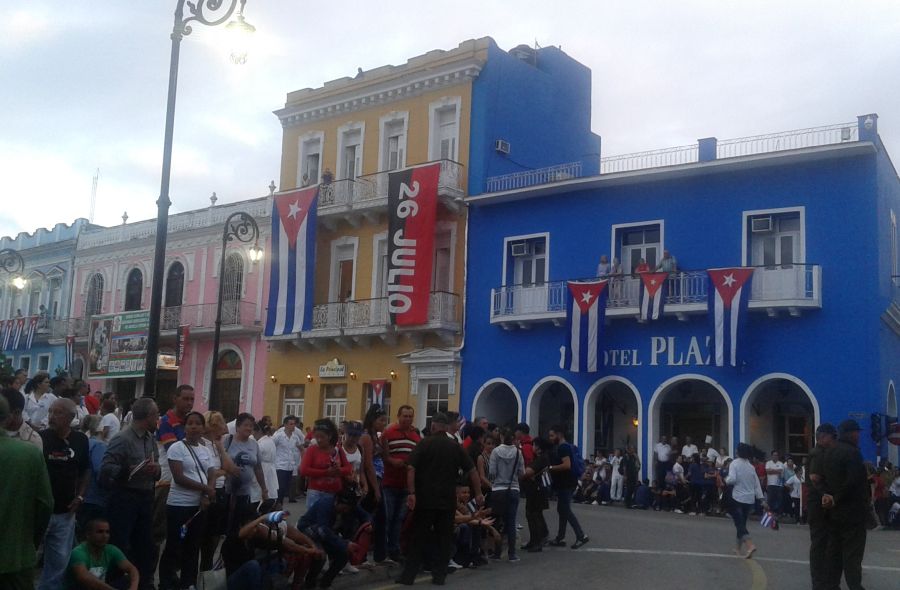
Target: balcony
[237, 317]
[367, 196]
[791, 288]
[358, 322]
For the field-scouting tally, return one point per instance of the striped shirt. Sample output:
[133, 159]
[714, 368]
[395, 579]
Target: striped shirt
[398, 445]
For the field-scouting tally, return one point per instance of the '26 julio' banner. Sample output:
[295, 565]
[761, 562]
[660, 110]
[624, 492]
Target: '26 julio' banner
[412, 205]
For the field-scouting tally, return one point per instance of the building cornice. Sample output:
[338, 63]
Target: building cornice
[391, 89]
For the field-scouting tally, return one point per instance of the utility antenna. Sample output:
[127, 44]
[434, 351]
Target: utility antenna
[94, 195]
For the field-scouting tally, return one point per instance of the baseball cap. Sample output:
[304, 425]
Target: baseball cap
[849, 426]
[826, 428]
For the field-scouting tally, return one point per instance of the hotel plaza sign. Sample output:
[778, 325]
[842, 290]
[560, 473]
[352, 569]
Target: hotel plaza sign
[665, 351]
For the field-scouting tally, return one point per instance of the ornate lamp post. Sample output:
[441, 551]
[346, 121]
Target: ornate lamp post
[12, 263]
[240, 227]
[210, 13]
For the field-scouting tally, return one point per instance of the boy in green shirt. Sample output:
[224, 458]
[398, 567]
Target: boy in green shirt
[95, 562]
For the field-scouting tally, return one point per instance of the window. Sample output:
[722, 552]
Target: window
[775, 240]
[774, 244]
[529, 260]
[292, 399]
[385, 397]
[134, 290]
[343, 275]
[25, 363]
[174, 285]
[43, 362]
[393, 141]
[34, 296]
[444, 129]
[309, 164]
[55, 296]
[334, 405]
[441, 276]
[350, 151]
[437, 399]
[379, 266]
[94, 301]
[637, 243]
[233, 289]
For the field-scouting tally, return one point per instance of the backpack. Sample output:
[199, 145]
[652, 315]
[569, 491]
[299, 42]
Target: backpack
[577, 462]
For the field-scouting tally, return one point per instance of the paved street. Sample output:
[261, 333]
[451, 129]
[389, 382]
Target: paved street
[639, 549]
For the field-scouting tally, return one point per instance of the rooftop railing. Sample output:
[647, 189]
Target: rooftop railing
[535, 177]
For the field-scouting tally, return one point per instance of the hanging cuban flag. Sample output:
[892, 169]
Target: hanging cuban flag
[70, 351]
[729, 292]
[412, 215]
[6, 334]
[653, 294]
[378, 391]
[18, 330]
[30, 329]
[585, 313]
[292, 262]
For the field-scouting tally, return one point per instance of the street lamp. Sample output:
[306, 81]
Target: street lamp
[240, 227]
[12, 263]
[210, 13]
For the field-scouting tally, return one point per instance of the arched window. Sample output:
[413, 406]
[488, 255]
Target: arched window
[134, 289]
[233, 287]
[174, 285]
[94, 302]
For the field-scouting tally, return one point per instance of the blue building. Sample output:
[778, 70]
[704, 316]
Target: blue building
[813, 211]
[45, 296]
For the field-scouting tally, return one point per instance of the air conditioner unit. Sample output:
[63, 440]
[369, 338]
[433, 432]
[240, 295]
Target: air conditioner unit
[502, 146]
[759, 225]
[521, 248]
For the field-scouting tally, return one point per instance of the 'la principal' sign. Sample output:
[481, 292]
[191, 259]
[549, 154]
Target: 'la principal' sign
[332, 368]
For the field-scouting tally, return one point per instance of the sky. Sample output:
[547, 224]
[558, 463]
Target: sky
[83, 83]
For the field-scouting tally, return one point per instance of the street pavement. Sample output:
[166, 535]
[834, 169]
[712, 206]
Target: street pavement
[658, 550]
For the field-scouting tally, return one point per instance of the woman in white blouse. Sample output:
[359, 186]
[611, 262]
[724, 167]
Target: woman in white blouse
[745, 492]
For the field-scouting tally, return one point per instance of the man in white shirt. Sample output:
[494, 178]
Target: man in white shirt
[689, 449]
[287, 447]
[774, 482]
[662, 452]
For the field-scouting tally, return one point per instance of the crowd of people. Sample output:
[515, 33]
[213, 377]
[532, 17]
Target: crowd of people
[124, 502]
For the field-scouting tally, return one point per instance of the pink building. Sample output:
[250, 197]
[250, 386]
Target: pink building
[113, 273]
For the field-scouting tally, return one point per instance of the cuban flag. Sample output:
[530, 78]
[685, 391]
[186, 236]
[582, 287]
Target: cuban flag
[292, 261]
[7, 332]
[585, 313]
[30, 330]
[18, 329]
[653, 294]
[378, 391]
[729, 292]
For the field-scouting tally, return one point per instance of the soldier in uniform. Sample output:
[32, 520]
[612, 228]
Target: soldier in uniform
[847, 503]
[826, 438]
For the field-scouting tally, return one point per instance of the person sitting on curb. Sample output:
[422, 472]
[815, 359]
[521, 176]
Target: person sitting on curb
[97, 565]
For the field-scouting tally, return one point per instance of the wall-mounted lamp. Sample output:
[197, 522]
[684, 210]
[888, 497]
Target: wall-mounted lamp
[634, 422]
[393, 374]
[309, 377]
[274, 379]
[352, 376]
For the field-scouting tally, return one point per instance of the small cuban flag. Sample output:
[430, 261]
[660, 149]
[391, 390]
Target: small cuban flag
[378, 391]
[585, 313]
[653, 294]
[729, 292]
[769, 521]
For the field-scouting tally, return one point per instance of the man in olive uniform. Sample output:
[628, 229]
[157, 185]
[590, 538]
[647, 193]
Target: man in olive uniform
[847, 501]
[826, 438]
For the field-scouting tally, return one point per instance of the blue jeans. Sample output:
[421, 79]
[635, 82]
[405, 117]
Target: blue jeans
[773, 497]
[509, 518]
[394, 514]
[740, 512]
[249, 575]
[58, 543]
[564, 510]
[313, 496]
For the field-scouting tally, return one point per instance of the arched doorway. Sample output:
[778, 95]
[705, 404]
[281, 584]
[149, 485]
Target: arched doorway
[499, 402]
[893, 454]
[779, 413]
[227, 397]
[553, 401]
[691, 405]
[612, 416]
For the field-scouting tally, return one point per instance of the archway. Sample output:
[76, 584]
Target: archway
[553, 401]
[612, 416]
[691, 405]
[227, 397]
[499, 402]
[779, 413]
[893, 450]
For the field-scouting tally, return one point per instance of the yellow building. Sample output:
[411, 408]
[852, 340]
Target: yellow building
[346, 136]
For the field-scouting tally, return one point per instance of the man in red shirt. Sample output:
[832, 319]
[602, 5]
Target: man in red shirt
[478, 421]
[398, 441]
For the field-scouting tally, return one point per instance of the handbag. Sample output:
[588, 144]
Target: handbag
[214, 579]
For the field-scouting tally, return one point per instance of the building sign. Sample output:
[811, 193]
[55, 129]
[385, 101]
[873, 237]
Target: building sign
[332, 369]
[412, 215]
[117, 345]
[666, 351]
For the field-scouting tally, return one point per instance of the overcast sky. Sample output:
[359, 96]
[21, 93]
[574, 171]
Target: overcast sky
[83, 83]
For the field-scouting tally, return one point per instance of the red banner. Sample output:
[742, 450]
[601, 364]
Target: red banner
[412, 210]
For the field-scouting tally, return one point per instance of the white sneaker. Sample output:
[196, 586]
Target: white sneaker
[454, 566]
[594, 503]
[349, 569]
[678, 511]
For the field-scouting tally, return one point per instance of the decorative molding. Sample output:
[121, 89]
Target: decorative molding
[432, 364]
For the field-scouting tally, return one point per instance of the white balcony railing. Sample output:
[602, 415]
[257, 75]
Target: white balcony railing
[367, 314]
[789, 286]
